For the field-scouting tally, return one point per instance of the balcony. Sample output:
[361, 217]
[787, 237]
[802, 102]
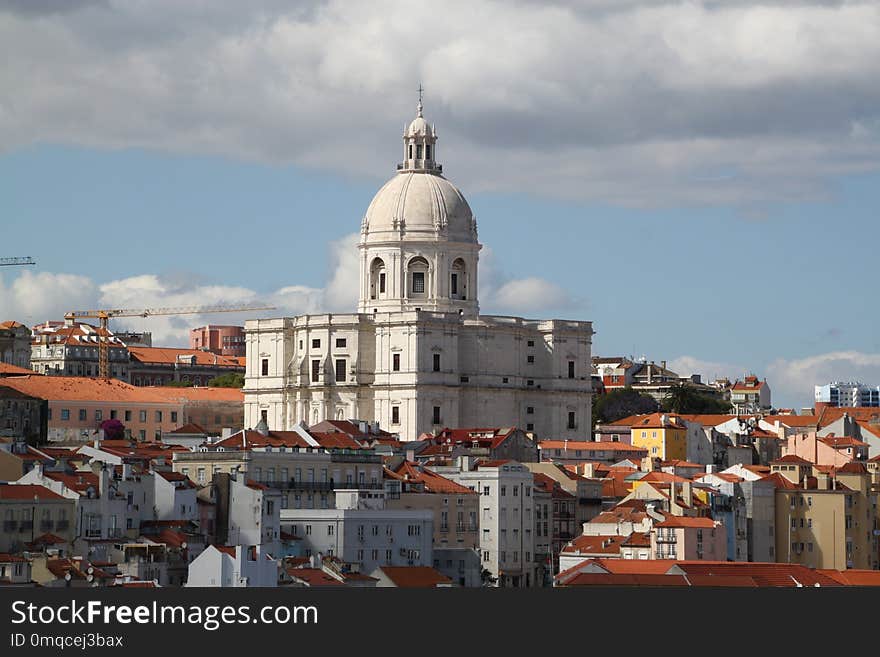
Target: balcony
[666, 538]
[26, 525]
[10, 525]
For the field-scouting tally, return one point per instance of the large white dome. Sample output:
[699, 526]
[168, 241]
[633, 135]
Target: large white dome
[419, 205]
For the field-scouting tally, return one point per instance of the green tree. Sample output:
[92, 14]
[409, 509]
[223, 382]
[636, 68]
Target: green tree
[618, 404]
[178, 384]
[228, 380]
[682, 398]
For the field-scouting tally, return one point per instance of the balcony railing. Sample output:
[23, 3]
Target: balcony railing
[666, 538]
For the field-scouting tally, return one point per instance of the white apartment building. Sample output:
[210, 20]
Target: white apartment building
[848, 394]
[417, 355]
[364, 531]
[253, 515]
[507, 518]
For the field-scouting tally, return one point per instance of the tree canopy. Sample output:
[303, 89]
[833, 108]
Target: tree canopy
[683, 398]
[621, 403]
[228, 380]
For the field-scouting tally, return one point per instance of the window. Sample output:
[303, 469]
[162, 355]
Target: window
[340, 370]
[382, 283]
[464, 379]
[436, 362]
[530, 359]
[485, 555]
[99, 415]
[174, 416]
[340, 343]
[329, 530]
[530, 427]
[316, 371]
[158, 416]
[453, 285]
[515, 493]
[531, 343]
[530, 382]
[528, 491]
[571, 369]
[503, 491]
[82, 415]
[395, 362]
[395, 415]
[504, 379]
[142, 434]
[128, 416]
[485, 490]
[571, 423]
[142, 416]
[436, 418]
[418, 282]
[265, 367]
[308, 530]
[316, 343]
[530, 410]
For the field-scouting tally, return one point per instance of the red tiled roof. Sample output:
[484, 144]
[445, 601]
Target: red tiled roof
[169, 356]
[594, 545]
[409, 577]
[854, 577]
[793, 420]
[779, 481]
[591, 445]
[27, 492]
[7, 369]
[226, 549]
[433, 483]
[791, 458]
[623, 579]
[192, 427]
[686, 522]
[842, 441]
[487, 437]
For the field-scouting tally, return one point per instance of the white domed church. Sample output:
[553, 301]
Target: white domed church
[417, 356]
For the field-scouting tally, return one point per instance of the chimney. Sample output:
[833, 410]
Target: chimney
[663, 364]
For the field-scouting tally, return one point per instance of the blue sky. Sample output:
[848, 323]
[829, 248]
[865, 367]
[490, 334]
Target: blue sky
[700, 180]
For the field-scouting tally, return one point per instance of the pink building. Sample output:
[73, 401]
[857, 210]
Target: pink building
[829, 450]
[688, 538]
[222, 340]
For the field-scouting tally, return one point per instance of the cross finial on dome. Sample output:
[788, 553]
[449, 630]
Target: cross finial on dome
[421, 90]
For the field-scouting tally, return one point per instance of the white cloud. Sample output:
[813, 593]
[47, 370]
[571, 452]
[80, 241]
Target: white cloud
[638, 103]
[707, 369]
[796, 378]
[32, 298]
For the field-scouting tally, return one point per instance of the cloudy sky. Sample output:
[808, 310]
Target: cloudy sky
[700, 179]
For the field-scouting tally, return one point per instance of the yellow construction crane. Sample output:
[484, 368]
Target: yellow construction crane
[7, 262]
[104, 316]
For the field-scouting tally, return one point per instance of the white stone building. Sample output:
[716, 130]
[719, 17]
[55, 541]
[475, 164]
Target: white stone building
[235, 566]
[417, 355]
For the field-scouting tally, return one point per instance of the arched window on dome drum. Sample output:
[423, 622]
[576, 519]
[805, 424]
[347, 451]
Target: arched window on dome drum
[458, 280]
[410, 151]
[427, 151]
[417, 277]
[377, 279]
[418, 151]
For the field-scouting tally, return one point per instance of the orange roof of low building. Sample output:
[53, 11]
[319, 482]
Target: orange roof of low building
[410, 577]
[197, 394]
[793, 420]
[27, 492]
[81, 388]
[594, 545]
[686, 522]
[312, 577]
[7, 369]
[791, 458]
[592, 445]
[842, 441]
[858, 413]
[170, 356]
[659, 421]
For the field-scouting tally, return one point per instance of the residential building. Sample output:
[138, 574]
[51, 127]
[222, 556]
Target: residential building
[78, 405]
[159, 366]
[455, 508]
[827, 450]
[576, 451]
[15, 344]
[23, 415]
[688, 538]
[15, 570]
[233, 566]
[847, 393]
[220, 340]
[70, 348]
[563, 521]
[493, 443]
[417, 355]
[663, 436]
[362, 530]
[247, 513]
[750, 396]
[587, 491]
[507, 518]
[29, 511]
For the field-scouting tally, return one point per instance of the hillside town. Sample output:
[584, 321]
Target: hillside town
[417, 442]
[135, 482]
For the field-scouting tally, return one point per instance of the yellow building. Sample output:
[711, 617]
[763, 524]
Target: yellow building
[663, 435]
[824, 515]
